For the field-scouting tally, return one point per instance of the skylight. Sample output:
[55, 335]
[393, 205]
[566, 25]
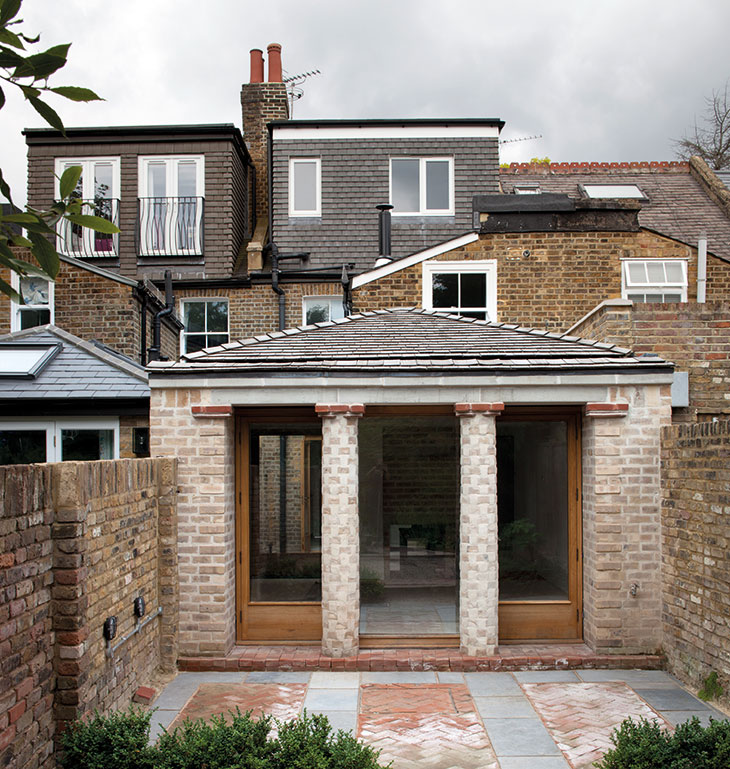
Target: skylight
[628, 191]
[25, 360]
[527, 188]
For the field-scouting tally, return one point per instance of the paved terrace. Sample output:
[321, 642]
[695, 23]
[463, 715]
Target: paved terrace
[530, 719]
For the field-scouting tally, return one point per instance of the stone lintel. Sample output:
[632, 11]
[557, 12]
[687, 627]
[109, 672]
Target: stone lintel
[326, 410]
[606, 409]
[470, 409]
[211, 412]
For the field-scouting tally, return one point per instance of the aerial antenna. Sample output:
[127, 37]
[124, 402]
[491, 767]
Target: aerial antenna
[293, 87]
[520, 139]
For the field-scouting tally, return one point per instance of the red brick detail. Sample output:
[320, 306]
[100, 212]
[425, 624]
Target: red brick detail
[607, 409]
[339, 409]
[7, 737]
[469, 409]
[16, 711]
[144, 694]
[211, 411]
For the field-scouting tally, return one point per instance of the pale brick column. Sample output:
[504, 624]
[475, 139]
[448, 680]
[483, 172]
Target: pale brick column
[478, 564]
[340, 529]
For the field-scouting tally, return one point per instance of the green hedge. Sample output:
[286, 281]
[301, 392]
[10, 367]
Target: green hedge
[645, 745]
[120, 741]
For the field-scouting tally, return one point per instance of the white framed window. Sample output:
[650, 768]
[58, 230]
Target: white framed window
[305, 187]
[206, 323]
[37, 294]
[171, 201]
[626, 191]
[654, 280]
[464, 288]
[422, 186]
[79, 439]
[317, 309]
[527, 188]
[99, 188]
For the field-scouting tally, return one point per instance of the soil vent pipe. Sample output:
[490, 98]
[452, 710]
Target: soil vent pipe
[384, 234]
[702, 269]
[154, 352]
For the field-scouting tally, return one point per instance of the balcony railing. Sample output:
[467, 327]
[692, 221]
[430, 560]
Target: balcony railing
[83, 243]
[170, 226]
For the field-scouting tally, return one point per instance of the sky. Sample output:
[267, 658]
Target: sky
[605, 80]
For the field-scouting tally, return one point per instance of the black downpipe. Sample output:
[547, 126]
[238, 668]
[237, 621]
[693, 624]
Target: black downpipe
[275, 287]
[143, 329]
[252, 168]
[155, 350]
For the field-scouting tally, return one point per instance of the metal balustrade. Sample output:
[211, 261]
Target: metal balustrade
[83, 243]
[170, 226]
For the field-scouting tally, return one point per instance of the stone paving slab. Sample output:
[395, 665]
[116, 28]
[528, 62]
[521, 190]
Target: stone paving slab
[520, 737]
[674, 698]
[504, 707]
[493, 684]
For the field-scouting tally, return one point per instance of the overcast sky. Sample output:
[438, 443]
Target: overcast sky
[606, 80]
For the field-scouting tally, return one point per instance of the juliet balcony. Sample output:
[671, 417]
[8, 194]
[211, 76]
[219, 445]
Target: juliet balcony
[83, 243]
[170, 226]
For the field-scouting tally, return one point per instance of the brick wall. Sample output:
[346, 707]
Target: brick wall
[79, 542]
[695, 544]
[564, 277]
[695, 337]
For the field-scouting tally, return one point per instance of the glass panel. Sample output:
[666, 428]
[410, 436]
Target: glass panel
[217, 316]
[317, 312]
[82, 445]
[473, 289]
[675, 272]
[480, 314]
[404, 180]
[195, 316]
[103, 180]
[32, 318]
[654, 298]
[437, 185]
[22, 446]
[637, 272]
[655, 271]
[194, 342]
[532, 492]
[409, 506]
[34, 290]
[215, 339]
[445, 289]
[337, 311]
[186, 178]
[157, 179]
[285, 505]
[305, 186]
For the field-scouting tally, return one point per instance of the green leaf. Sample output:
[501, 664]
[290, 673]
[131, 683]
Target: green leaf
[29, 92]
[19, 218]
[40, 65]
[9, 58]
[4, 188]
[9, 10]
[19, 240]
[69, 179]
[10, 38]
[47, 113]
[8, 290]
[75, 93]
[97, 223]
[2, 98]
[45, 253]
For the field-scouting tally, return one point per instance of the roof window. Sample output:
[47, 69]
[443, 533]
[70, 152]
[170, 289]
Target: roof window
[527, 188]
[627, 191]
[26, 360]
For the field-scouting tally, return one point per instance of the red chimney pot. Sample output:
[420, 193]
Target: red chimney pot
[274, 50]
[257, 65]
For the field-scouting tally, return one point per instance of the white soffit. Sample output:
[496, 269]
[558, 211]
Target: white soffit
[308, 133]
[408, 261]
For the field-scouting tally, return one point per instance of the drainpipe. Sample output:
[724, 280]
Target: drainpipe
[701, 269]
[154, 351]
[346, 292]
[143, 330]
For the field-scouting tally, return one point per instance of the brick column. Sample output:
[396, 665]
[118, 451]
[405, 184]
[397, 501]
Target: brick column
[478, 564]
[340, 529]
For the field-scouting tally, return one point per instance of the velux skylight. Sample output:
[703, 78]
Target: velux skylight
[628, 191]
[25, 360]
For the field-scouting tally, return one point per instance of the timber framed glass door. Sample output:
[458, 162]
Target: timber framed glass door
[279, 532]
[538, 490]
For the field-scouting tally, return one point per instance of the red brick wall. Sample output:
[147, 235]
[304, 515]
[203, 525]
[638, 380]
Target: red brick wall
[696, 541]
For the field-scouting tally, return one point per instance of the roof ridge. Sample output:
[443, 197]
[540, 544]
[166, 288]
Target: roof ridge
[664, 166]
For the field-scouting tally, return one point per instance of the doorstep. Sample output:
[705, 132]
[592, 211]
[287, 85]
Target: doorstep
[508, 658]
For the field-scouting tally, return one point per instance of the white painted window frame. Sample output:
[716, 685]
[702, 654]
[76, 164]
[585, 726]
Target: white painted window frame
[16, 309]
[423, 211]
[627, 287]
[192, 299]
[486, 266]
[293, 211]
[54, 427]
[329, 298]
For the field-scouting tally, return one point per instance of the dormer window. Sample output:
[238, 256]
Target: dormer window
[422, 186]
[624, 191]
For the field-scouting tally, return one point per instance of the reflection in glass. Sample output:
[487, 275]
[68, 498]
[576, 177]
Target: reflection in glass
[409, 501]
[532, 483]
[22, 446]
[437, 185]
[83, 445]
[405, 185]
[285, 537]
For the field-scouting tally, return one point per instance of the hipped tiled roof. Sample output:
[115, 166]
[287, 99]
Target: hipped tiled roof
[410, 340]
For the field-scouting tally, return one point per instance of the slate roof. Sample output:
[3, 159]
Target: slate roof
[410, 340]
[677, 204]
[81, 370]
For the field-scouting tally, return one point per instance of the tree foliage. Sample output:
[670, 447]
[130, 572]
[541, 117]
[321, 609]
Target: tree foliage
[26, 67]
[711, 138]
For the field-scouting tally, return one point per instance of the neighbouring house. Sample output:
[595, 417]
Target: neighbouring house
[63, 398]
[412, 476]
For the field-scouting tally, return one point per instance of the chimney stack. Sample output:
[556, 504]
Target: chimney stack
[257, 65]
[274, 51]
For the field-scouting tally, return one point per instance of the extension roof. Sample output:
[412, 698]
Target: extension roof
[677, 204]
[411, 340]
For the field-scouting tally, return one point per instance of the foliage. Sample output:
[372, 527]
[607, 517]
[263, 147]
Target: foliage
[711, 688]
[540, 161]
[120, 741]
[115, 741]
[29, 73]
[645, 745]
[711, 139]
[371, 586]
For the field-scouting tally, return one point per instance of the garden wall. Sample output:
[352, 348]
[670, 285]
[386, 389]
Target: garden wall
[696, 542]
[79, 542]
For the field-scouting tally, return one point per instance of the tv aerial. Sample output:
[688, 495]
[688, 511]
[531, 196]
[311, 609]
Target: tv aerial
[294, 88]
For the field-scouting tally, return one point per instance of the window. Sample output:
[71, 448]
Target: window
[653, 280]
[98, 187]
[305, 187]
[75, 439]
[317, 309]
[464, 288]
[422, 185]
[527, 188]
[628, 191]
[206, 323]
[25, 360]
[171, 198]
[37, 294]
